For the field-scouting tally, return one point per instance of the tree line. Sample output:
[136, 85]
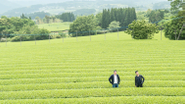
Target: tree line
[108, 19]
[156, 15]
[66, 17]
[14, 27]
[124, 15]
[173, 26]
[174, 29]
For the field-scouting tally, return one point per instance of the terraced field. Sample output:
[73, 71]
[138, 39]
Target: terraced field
[78, 71]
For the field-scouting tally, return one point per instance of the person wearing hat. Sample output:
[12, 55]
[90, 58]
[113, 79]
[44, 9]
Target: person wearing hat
[139, 79]
[114, 79]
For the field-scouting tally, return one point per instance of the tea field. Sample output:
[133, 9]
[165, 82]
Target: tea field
[55, 26]
[76, 70]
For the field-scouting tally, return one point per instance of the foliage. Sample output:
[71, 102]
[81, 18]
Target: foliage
[163, 23]
[142, 30]
[83, 26]
[173, 28]
[148, 12]
[13, 24]
[176, 5]
[30, 33]
[5, 26]
[63, 35]
[114, 26]
[156, 16]
[124, 15]
[23, 17]
[47, 18]
[142, 15]
[66, 17]
[99, 19]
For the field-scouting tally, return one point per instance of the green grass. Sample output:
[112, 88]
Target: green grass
[77, 70]
[55, 26]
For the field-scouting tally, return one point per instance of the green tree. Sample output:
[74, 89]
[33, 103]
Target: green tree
[23, 17]
[124, 15]
[27, 30]
[99, 19]
[103, 19]
[174, 29]
[41, 15]
[30, 17]
[156, 16]
[148, 12]
[176, 6]
[31, 33]
[82, 25]
[38, 19]
[5, 26]
[47, 19]
[13, 24]
[114, 26]
[66, 17]
[142, 30]
[53, 18]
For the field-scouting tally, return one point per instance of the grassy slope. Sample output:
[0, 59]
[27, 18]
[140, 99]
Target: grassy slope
[50, 72]
[55, 26]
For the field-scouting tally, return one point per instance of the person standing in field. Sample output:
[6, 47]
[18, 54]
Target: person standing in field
[139, 80]
[114, 79]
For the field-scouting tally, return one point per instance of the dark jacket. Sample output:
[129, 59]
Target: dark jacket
[139, 80]
[111, 79]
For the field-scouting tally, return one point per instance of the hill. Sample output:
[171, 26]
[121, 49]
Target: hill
[6, 5]
[71, 6]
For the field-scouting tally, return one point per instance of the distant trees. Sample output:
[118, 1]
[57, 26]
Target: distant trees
[66, 17]
[99, 19]
[23, 17]
[174, 29]
[41, 15]
[30, 33]
[14, 26]
[47, 19]
[142, 30]
[111, 19]
[6, 27]
[37, 19]
[114, 26]
[83, 26]
[176, 5]
[155, 16]
[53, 18]
[124, 15]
